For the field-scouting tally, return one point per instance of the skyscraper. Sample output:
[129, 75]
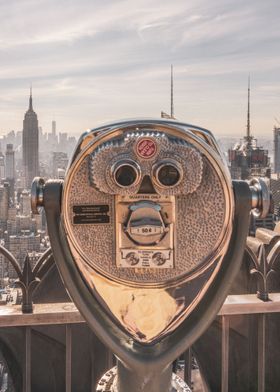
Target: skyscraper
[247, 159]
[60, 161]
[30, 144]
[54, 128]
[2, 166]
[276, 132]
[4, 205]
[25, 203]
[10, 162]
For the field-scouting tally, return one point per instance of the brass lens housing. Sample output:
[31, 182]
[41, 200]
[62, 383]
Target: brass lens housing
[163, 172]
[126, 173]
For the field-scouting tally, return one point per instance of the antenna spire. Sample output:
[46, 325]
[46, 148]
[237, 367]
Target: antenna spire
[30, 98]
[172, 103]
[248, 112]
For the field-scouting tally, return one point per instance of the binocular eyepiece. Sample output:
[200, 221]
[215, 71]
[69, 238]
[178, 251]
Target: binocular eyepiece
[166, 173]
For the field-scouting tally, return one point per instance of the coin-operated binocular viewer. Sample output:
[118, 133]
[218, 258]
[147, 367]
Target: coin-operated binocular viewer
[148, 232]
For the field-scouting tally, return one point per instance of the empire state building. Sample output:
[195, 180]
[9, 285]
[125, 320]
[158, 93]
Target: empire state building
[30, 144]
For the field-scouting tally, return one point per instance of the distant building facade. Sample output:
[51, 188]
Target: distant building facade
[276, 132]
[2, 166]
[10, 162]
[60, 162]
[4, 206]
[248, 160]
[30, 145]
[25, 203]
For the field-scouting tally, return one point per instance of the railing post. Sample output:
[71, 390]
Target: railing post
[188, 366]
[68, 365]
[261, 351]
[225, 353]
[27, 362]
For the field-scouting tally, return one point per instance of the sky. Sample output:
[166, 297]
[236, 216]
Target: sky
[94, 61]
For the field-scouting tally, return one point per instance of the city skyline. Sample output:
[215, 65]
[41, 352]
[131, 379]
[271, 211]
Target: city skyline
[96, 61]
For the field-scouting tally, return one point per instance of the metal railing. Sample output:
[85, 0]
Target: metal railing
[241, 305]
[67, 314]
[29, 278]
[245, 305]
[262, 257]
[44, 314]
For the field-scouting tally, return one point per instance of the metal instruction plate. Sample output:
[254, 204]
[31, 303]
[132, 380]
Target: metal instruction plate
[91, 214]
[146, 258]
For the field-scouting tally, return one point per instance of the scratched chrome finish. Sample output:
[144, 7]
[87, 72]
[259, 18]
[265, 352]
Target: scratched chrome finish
[150, 301]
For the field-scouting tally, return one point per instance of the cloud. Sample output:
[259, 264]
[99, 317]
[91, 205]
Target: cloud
[97, 59]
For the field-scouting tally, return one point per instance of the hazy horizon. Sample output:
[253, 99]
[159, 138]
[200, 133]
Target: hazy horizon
[95, 61]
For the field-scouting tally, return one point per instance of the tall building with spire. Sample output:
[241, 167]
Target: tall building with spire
[30, 144]
[246, 158]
